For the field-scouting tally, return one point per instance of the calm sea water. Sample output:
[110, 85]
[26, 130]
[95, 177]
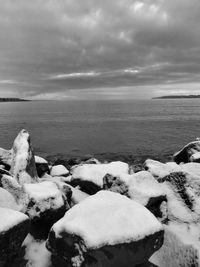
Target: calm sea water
[150, 127]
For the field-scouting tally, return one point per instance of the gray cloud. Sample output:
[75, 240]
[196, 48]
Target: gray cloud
[54, 48]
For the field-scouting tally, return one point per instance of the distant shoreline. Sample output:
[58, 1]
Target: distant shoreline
[177, 97]
[7, 99]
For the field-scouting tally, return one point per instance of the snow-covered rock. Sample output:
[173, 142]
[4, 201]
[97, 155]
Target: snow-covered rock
[44, 201]
[36, 253]
[23, 167]
[7, 200]
[186, 154]
[159, 169]
[41, 166]
[183, 196]
[90, 176]
[14, 227]
[106, 228]
[6, 157]
[195, 157]
[181, 246]
[77, 195]
[59, 170]
[141, 187]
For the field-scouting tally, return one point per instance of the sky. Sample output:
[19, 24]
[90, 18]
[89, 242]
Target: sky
[99, 49]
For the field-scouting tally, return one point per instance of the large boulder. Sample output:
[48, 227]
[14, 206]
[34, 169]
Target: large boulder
[41, 166]
[14, 227]
[90, 176]
[188, 153]
[141, 187]
[106, 229]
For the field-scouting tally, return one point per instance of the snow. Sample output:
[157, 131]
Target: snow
[7, 200]
[160, 170]
[41, 190]
[36, 253]
[195, 156]
[95, 172]
[9, 218]
[108, 218]
[181, 246]
[191, 168]
[142, 186]
[46, 195]
[40, 160]
[59, 170]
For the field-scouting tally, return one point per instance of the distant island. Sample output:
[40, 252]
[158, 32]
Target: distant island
[177, 97]
[6, 99]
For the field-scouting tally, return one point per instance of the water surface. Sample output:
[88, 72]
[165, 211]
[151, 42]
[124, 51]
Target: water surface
[143, 127]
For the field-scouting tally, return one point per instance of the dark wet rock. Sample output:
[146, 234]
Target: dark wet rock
[42, 166]
[86, 186]
[74, 161]
[115, 184]
[14, 227]
[120, 255]
[186, 153]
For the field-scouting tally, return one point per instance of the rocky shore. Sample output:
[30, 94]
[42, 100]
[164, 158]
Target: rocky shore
[94, 212]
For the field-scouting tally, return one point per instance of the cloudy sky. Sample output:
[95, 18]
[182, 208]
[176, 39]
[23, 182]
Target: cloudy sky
[70, 49]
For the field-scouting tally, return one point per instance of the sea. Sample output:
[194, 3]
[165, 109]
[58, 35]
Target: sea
[140, 128]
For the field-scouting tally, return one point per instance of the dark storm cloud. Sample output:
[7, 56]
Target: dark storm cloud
[54, 48]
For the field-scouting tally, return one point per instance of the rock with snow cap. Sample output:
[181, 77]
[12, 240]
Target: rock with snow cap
[59, 170]
[90, 176]
[41, 166]
[14, 227]
[106, 229]
[141, 187]
[183, 196]
[7, 200]
[44, 202]
[23, 167]
[187, 153]
[159, 169]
